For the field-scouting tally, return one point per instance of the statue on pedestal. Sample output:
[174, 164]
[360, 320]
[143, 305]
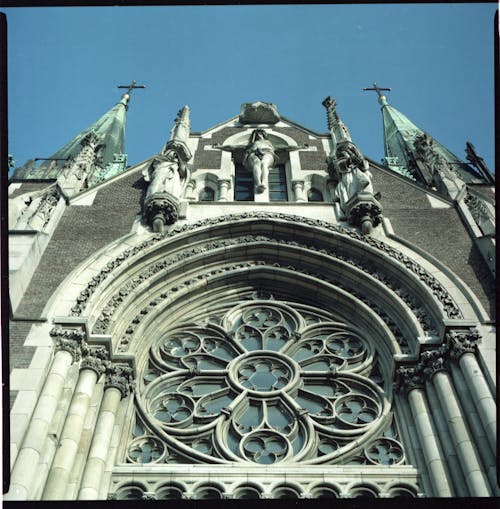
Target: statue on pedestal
[167, 176]
[352, 173]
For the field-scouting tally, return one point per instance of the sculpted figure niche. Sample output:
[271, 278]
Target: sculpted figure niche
[259, 156]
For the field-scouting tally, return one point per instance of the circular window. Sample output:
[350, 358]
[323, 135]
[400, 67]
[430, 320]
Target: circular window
[263, 386]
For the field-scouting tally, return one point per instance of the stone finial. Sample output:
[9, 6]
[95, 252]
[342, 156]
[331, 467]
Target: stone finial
[259, 113]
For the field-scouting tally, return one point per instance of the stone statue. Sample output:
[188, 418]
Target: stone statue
[352, 173]
[443, 176]
[260, 155]
[165, 175]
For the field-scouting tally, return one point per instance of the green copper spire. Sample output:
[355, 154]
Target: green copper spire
[401, 152]
[100, 148]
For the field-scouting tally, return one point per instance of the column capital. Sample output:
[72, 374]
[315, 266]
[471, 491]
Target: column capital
[434, 361]
[121, 377]
[461, 341]
[94, 359]
[408, 378]
[69, 340]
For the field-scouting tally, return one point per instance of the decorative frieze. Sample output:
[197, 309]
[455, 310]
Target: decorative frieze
[439, 291]
[126, 338]
[104, 320]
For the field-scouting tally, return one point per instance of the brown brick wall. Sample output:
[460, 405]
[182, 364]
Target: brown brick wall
[80, 233]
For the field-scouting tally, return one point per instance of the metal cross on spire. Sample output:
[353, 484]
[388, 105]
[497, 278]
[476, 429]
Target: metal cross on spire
[131, 86]
[377, 88]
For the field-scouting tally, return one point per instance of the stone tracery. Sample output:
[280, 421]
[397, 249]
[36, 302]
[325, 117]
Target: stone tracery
[263, 387]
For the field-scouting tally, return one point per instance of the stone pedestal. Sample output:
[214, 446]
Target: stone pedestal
[364, 211]
[161, 210]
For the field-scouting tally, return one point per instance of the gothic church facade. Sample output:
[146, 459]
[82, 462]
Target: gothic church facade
[257, 311]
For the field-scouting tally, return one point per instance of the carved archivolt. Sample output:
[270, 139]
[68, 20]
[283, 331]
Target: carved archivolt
[438, 290]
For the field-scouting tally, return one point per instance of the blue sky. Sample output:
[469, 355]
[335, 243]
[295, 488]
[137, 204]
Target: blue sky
[64, 65]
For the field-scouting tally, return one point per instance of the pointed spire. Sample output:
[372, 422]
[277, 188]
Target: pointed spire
[401, 146]
[103, 159]
[179, 135]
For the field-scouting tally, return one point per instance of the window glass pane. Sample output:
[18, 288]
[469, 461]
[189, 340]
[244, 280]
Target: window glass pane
[243, 184]
[277, 184]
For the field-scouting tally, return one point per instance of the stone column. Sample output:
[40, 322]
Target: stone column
[447, 443]
[91, 368]
[116, 387]
[298, 190]
[190, 187]
[224, 185]
[463, 345]
[476, 427]
[68, 343]
[330, 184]
[434, 369]
[412, 381]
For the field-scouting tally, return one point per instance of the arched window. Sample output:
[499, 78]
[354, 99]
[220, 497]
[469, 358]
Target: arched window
[207, 194]
[314, 195]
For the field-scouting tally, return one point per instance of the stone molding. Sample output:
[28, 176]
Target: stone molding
[416, 306]
[439, 291]
[190, 283]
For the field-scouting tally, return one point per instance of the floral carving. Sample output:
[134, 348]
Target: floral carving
[69, 340]
[462, 341]
[94, 359]
[120, 377]
[438, 290]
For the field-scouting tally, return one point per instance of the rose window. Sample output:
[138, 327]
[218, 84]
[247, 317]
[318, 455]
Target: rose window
[264, 386]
